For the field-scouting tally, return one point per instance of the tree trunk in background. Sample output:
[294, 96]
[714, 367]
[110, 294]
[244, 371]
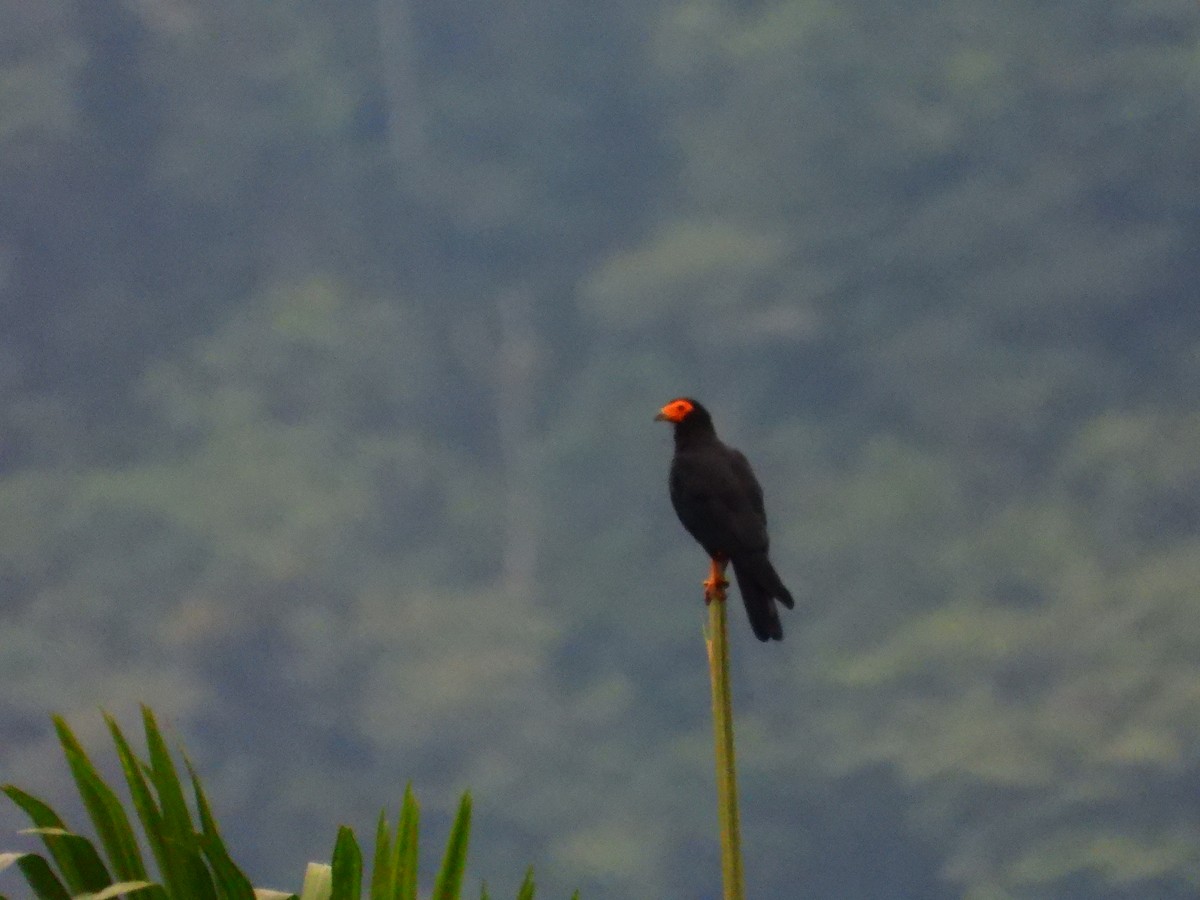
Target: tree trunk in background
[408, 135]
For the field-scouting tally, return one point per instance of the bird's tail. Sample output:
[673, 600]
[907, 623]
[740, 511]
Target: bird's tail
[760, 586]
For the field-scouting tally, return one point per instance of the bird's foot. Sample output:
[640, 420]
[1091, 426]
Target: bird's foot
[714, 590]
[715, 584]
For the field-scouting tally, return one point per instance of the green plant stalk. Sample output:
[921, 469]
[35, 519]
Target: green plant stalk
[716, 641]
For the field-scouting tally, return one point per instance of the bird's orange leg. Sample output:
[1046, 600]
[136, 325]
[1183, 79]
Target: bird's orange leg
[715, 584]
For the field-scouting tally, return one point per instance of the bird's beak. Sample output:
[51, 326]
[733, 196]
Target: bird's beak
[673, 412]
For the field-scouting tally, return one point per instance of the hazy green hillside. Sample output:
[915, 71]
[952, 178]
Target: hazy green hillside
[330, 339]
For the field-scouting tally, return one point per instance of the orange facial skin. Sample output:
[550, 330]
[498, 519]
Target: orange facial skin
[675, 411]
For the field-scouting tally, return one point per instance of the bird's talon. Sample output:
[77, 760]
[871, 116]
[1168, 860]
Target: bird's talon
[714, 589]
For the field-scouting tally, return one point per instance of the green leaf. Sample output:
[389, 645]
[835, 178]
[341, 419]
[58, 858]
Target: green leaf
[231, 881]
[528, 888]
[103, 807]
[190, 876]
[147, 809]
[77, 860]
[404, 860]
[450, 877]
[347, 866]
[41, 878]
[39, 813]
[383, 876]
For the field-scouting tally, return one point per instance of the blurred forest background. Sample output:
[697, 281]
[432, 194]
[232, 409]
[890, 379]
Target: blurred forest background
[331, 333]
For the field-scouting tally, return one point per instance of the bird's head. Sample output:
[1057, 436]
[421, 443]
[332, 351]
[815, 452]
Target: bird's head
[681, 410]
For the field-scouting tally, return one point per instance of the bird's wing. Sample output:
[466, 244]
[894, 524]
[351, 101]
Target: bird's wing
[745, 501]
[747, 482]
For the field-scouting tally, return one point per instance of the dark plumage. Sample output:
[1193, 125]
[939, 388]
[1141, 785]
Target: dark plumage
[720, 502]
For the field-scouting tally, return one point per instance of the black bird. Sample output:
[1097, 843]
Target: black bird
[720, 502]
